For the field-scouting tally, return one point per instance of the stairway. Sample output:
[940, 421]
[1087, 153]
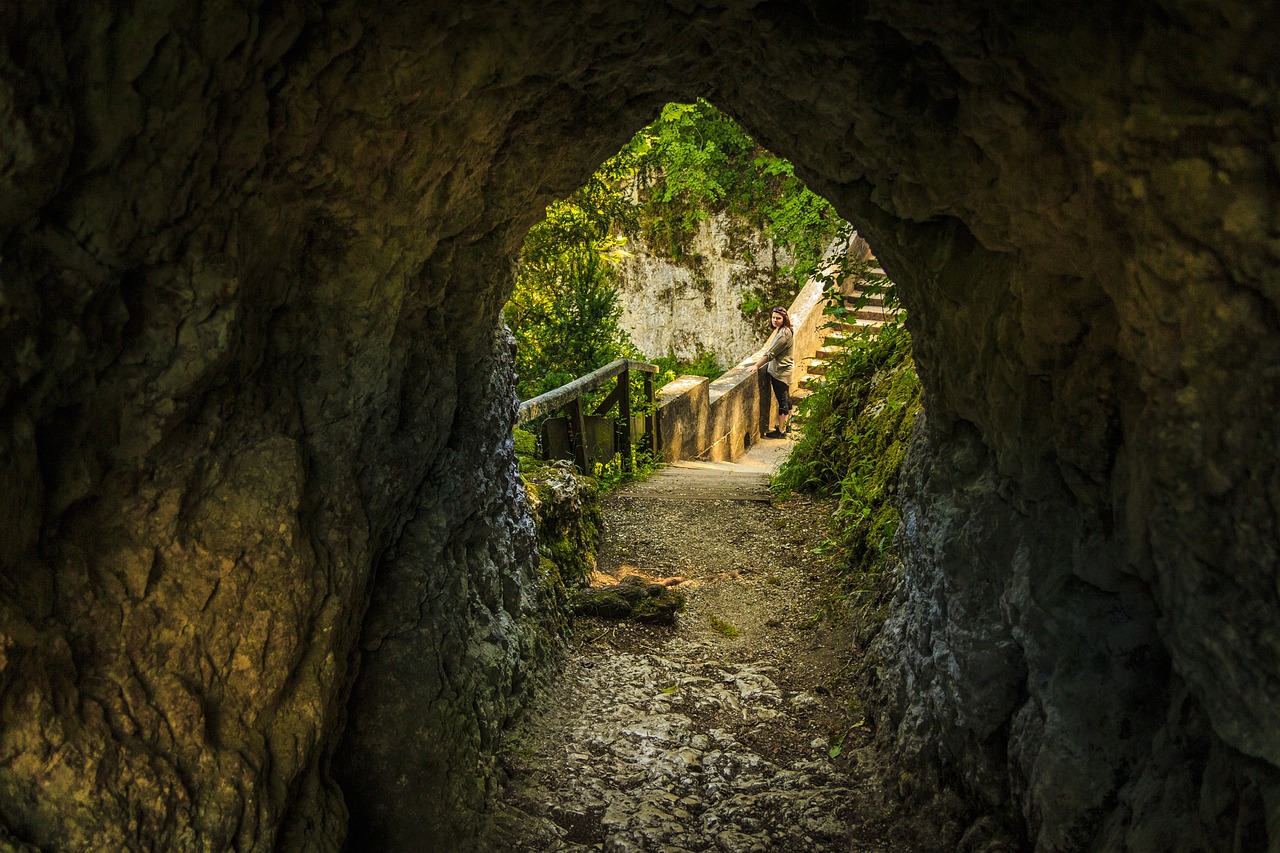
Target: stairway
[871, 315]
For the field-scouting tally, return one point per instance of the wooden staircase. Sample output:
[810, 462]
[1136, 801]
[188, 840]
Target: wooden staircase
[872, 315]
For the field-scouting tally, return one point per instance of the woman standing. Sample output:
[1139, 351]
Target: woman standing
[778, 357]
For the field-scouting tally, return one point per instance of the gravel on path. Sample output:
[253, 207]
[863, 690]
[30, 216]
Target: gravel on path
[735, 729]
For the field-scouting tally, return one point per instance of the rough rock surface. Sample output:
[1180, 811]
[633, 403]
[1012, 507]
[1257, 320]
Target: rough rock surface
[689, 306]
[641, 766]
[266, 572]
[566, 513]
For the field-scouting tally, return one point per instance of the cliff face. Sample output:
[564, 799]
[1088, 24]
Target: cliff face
[267, 571]
[689, 305]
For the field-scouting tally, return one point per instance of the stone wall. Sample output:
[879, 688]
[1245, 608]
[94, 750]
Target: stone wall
[266, 570]
[719, 420]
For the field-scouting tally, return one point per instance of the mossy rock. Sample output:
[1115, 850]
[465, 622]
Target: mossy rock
[605, 602]
[856, 432]
[634, 598]
[566, 510]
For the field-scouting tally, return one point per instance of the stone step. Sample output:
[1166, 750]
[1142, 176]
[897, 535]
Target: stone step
[872, 299]
[851, 328]
[837, 339]
[839, 332]
[870, 311]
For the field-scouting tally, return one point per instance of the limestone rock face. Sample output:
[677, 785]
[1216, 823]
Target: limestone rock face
[267, 573]
[687, 306]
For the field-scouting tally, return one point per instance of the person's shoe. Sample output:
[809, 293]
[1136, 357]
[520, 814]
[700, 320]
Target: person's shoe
[773, 433]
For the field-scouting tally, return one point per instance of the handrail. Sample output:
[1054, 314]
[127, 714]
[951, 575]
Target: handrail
[556, 398]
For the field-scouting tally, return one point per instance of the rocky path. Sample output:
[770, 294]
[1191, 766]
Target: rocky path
[731, 730]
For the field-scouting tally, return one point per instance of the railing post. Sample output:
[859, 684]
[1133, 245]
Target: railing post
[650, 415]
[577, 434]
[624, 418]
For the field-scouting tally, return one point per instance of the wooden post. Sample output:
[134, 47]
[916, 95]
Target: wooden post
[624, 418]
[650, 415]
[577, 433]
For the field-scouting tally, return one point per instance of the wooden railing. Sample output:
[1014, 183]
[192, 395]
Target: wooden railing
[569, 398]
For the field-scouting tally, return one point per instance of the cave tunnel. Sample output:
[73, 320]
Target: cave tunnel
[266, 571]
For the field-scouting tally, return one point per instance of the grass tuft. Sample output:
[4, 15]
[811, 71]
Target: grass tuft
[722, 627]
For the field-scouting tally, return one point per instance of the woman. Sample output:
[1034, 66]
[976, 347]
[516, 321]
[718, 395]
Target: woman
[778, 357]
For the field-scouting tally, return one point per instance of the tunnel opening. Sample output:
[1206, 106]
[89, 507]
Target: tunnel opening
[672, 253]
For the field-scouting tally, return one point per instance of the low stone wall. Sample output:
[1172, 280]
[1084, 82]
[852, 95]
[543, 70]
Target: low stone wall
[720, 420]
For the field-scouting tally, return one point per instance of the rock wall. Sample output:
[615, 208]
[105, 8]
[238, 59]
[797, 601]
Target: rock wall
[688, 306]
[266, 570]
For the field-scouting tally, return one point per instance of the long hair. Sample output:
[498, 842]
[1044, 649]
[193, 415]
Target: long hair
[786, 318]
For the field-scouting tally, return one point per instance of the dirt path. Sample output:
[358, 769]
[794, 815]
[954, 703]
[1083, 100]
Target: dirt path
[731, 730]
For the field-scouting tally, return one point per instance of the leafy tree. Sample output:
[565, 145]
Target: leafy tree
[564, 311]
[707, 364]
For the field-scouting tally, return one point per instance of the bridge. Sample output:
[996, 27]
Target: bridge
[692, 417]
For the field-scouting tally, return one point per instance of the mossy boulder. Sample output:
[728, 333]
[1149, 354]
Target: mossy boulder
[566, 512]
[633, 598]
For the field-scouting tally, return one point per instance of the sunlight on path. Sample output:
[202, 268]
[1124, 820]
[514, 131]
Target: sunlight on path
[746, 479]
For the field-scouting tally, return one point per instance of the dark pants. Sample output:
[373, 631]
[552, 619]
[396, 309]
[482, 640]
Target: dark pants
[782, 393]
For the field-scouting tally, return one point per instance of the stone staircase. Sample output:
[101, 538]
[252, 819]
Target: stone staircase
[872, 315]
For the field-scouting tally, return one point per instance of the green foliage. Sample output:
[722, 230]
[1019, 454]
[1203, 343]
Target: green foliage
[856, 429]
[607, 476]
[610, 474]
[850, 268]
[564, 310]
[707, 364]
[721, 627]
[695, 160]
[835, 744]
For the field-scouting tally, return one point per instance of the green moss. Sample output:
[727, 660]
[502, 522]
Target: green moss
[661, 608]
[601, 602]
[631, 599]
[856, 430]
[526, 442]
[722, 627]
[566, 511]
